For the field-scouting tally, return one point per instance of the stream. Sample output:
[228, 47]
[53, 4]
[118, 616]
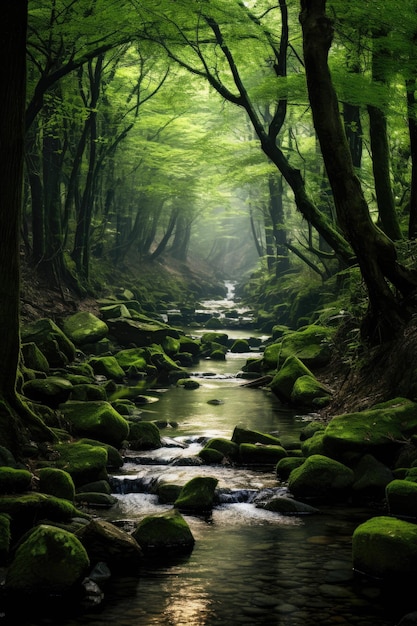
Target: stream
[248, 566]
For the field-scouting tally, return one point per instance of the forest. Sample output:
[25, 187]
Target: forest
[152, 150]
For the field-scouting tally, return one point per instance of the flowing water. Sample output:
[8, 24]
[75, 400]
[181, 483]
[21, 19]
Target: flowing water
[249, 566]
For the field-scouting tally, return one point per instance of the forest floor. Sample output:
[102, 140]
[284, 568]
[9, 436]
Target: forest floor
[370, 376]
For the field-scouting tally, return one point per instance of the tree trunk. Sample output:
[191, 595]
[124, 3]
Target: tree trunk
[375, 252]
[412, 130]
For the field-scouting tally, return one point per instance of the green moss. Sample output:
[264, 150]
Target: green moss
[197, 494]
[168, 533]
[320, 477]
[84, 327]
[107, 366]
[244, 435]
[168, 493]
[51, 341]
[84, 462]
[309, 392]
[240, 345]
[98, 420]
[5, 537]
[114, 458]
[210, 456]
[283, 382]
[314, 445]
[33, 357]
[188, 383]
[87, 392]
[14, 480]
[49, 560]
[402, 498]
[229, 449]
[51, 391]
[286, 465]
[255, 454]
[385, 547]
[95, 500]
[56, 482]
[132, 357]
[144, 436]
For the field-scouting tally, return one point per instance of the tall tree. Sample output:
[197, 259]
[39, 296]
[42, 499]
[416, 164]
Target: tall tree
[12, 107]
[375, 252]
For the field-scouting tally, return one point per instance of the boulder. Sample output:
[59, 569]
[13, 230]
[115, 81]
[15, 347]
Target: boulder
[192, 346]
[132, 357]
[167, 534]
[27, 509]
[240, 345]
[139, 333]
[144, 436]
[371, 478]
[98, 420]
[314, 444]
[197, 495]
[86, 392]
[84, 327]
[311, 428]
[56, 482]
[14, 480]
[244, 435]
[107, 366]
[385, 547]
[113, 311]
[227, 448]
[168, 493]
[287, 506]
[211, 456]
[107, 543]
[58, 350]
[401, 498]
[51, 391]
[220, 338]
[33, 358]
[283, 382]
[49, 560]
[321, 477]
[308, 392]
[286, 465]
[260, 454]
[378, 431]
[85, 463]
[114, 458]
[95, 500]
[312, 345]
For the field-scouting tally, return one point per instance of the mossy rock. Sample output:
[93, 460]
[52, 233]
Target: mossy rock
[244, 435]
[107, 366]
[167, 533]
[240, 346]
[260, 454]
[144, 436]
[171, 345]
[215, 323]
[7, 458]
[287, 506]
[14, 480]
[283, 382]
[51, 391]
[163, 363]
[106, 542]
[97, 420]
[209, 338]
[57, 348]
[114, 458]
[124, 406]
[85, 463]
[286, 465]
[27, 509]
[401, 498]
[197, 495]
[377, 431]
[211, 456]
[308, 392]
[139, 332]
[95, 500]
[314, 445]
[56, 482]
[115, 310]
[227, 448]
[218, 355]
[98, 486]
[192, 346]
[87, 392]
[371, 478]
[132, 357]
[34, 358]
[48, 560]
[321, 477]
[168, 493]
[81, 369]
[312, 345]
[385, 547]
[311, 428]
[188, 383]
[84, 327]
